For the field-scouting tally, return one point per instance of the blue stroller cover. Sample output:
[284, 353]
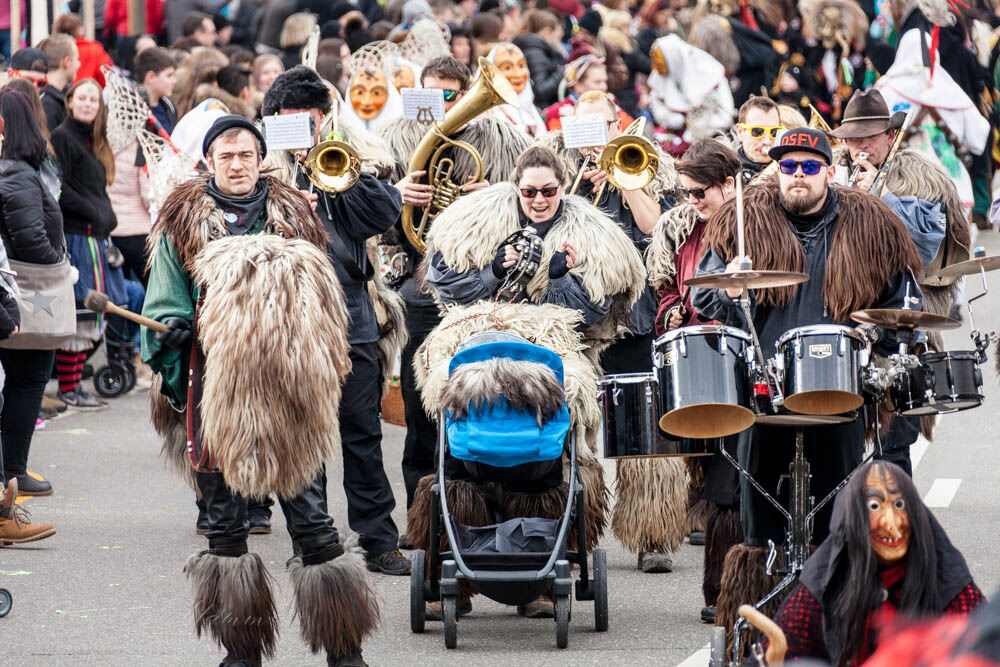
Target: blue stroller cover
[498, 434]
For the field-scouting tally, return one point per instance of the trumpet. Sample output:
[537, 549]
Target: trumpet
[630, 161]
[332, 165]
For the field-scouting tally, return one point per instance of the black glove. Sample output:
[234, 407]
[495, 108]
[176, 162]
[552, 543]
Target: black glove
[557, 265]
[498, 260]
[178, 335]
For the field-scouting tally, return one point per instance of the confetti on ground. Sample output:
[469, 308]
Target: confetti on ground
[14, 573]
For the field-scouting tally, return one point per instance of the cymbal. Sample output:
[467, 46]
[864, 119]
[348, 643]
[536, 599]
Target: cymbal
[970, 267]
[897, 318]
[752, 279]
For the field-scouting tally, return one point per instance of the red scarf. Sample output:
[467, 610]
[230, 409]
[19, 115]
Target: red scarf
[883, 616]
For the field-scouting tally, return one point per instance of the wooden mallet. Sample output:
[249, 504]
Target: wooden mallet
[100, 303]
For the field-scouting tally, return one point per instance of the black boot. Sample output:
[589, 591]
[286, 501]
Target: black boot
[353, 660]
[201, 526]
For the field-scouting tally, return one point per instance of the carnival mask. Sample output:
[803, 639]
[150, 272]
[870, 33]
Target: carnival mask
[831, 27]
[888, 520]
[510, 61]
[402, 77]
[659, 62]
[724, 7]
[369, 93]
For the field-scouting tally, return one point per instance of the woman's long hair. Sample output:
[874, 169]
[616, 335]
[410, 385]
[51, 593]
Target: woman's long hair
[861, 588]
[100, 146]
[29, 89]
[23, 139]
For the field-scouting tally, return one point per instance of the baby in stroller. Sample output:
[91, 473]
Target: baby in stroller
[509, 523]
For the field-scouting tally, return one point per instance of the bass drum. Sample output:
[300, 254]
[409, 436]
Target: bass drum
[630, 408]
[821, 367]
[944, 382]
[704, 381]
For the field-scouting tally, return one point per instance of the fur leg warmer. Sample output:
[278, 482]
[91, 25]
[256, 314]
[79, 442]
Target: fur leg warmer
[651, 503]
[744, 581]
[596, 499]
[233, 603]
[722, 532]
[335, 602]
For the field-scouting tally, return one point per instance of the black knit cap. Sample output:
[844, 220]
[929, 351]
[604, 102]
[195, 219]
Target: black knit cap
[591, 21]
[224, 123]
[298, 88]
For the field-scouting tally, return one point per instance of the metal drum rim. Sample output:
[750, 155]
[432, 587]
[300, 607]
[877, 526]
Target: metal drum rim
[962, 355]
[614, 378]
[820, 329]
[702, 329]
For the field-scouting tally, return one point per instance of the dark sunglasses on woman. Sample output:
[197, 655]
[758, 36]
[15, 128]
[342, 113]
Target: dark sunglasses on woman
[697, 193]
[531, 193]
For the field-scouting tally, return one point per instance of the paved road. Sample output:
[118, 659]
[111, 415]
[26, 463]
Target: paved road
[108, 588]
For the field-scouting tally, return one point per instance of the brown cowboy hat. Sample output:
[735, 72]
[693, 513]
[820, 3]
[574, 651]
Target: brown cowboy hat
[866, 115]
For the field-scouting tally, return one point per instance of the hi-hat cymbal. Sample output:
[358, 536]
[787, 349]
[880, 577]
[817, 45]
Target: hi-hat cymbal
[970, 267]
[752, 279]
[898, 318]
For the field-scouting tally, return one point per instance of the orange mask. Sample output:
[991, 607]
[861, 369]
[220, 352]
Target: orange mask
[402, 77]
[369, 93]
[510, 61]
[888, 520]
[659, 62]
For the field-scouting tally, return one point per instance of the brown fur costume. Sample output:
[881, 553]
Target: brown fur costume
[651, 507]
[869, 246]
[171, 426]
[269, 430]
[745, 582]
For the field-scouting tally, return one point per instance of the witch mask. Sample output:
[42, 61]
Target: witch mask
[888, 520]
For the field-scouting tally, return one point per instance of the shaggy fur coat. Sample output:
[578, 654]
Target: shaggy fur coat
[608, 265]
[670, 233]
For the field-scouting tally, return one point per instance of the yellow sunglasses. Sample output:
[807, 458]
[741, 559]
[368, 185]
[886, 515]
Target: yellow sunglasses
[758, 131]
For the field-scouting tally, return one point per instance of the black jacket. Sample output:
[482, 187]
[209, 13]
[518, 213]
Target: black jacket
[546, 64]
[84, 200]
[54, 103]
[31, 223]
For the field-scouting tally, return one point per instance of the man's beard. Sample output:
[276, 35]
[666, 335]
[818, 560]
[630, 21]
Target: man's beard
[799, 201]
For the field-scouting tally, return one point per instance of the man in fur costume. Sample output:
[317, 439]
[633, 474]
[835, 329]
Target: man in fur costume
[239, 276]
[925, 198]
[647, 518]
[366, 209]
[858, 255]
[588, 277]
[499, 143]
[707, 175]
[886, 557]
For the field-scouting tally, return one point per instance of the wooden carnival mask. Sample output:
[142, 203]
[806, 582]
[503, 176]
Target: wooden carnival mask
[888, 520]
[511, 62]
[831, 27]
[403, 77]
[724, 7]
[369, 93]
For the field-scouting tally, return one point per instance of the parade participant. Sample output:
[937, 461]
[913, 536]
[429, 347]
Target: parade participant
[758, 128]
[886, 557]
[373, 99]
[588, 279]
[367, 208]
[649, 515]
[584, 74]
[498, 143]
[688, 88]
[511, 62]
[798, 222]
[707, 175]
[210, 231]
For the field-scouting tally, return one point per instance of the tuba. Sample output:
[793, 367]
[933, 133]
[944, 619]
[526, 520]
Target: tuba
[489, 90]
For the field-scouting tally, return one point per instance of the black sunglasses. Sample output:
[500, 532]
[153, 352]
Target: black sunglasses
[531, 193]
[809, 167]
[450, 95]
[697, 193]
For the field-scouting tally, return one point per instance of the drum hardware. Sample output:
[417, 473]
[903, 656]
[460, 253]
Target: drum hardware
[529, 247]
[980, 261]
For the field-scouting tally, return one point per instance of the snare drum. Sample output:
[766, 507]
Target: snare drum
[630, 408]
[821, 367]
[944, 382]
[704, 381]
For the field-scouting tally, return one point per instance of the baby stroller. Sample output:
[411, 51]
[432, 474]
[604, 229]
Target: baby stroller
[498, 441]
[117, 377]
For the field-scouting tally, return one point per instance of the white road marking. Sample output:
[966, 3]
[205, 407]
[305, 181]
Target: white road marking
[942, 492]
[699, 658]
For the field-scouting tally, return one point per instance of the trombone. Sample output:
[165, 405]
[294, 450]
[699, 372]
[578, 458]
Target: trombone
[630, 160]
[332, 165]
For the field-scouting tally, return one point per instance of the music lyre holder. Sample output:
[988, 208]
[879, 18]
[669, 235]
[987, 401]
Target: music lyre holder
[425, 115]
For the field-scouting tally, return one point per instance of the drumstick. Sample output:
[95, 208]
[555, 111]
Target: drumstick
[778, 644]
[99, 303]
[739, 215]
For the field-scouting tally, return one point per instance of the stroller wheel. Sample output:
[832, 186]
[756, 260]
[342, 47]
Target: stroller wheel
[449, 611]
[600, 590]
[130, 372]
[6, 602]
[110, 382]
[417, 576]
[562, 621]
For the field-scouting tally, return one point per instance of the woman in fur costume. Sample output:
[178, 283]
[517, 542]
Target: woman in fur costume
[228, 253]
[707, 176]
[649, 515]
[589, 277]
[798, 222]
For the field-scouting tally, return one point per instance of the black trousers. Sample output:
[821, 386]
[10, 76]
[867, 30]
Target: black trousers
[133, 249]
[369, 497]
[903, 432]
[306, 517]
[631, 354]
[27, 372]
[421, 432]
[765, 451]
[722, 479]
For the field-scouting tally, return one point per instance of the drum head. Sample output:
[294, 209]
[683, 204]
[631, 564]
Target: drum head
[823, 402]
[707, 420]
[957, 406]
[804, 420]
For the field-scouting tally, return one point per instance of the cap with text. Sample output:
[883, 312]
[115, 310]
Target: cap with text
[802, 140]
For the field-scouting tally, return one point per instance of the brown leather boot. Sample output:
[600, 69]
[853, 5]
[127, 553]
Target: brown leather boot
[14, 525]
